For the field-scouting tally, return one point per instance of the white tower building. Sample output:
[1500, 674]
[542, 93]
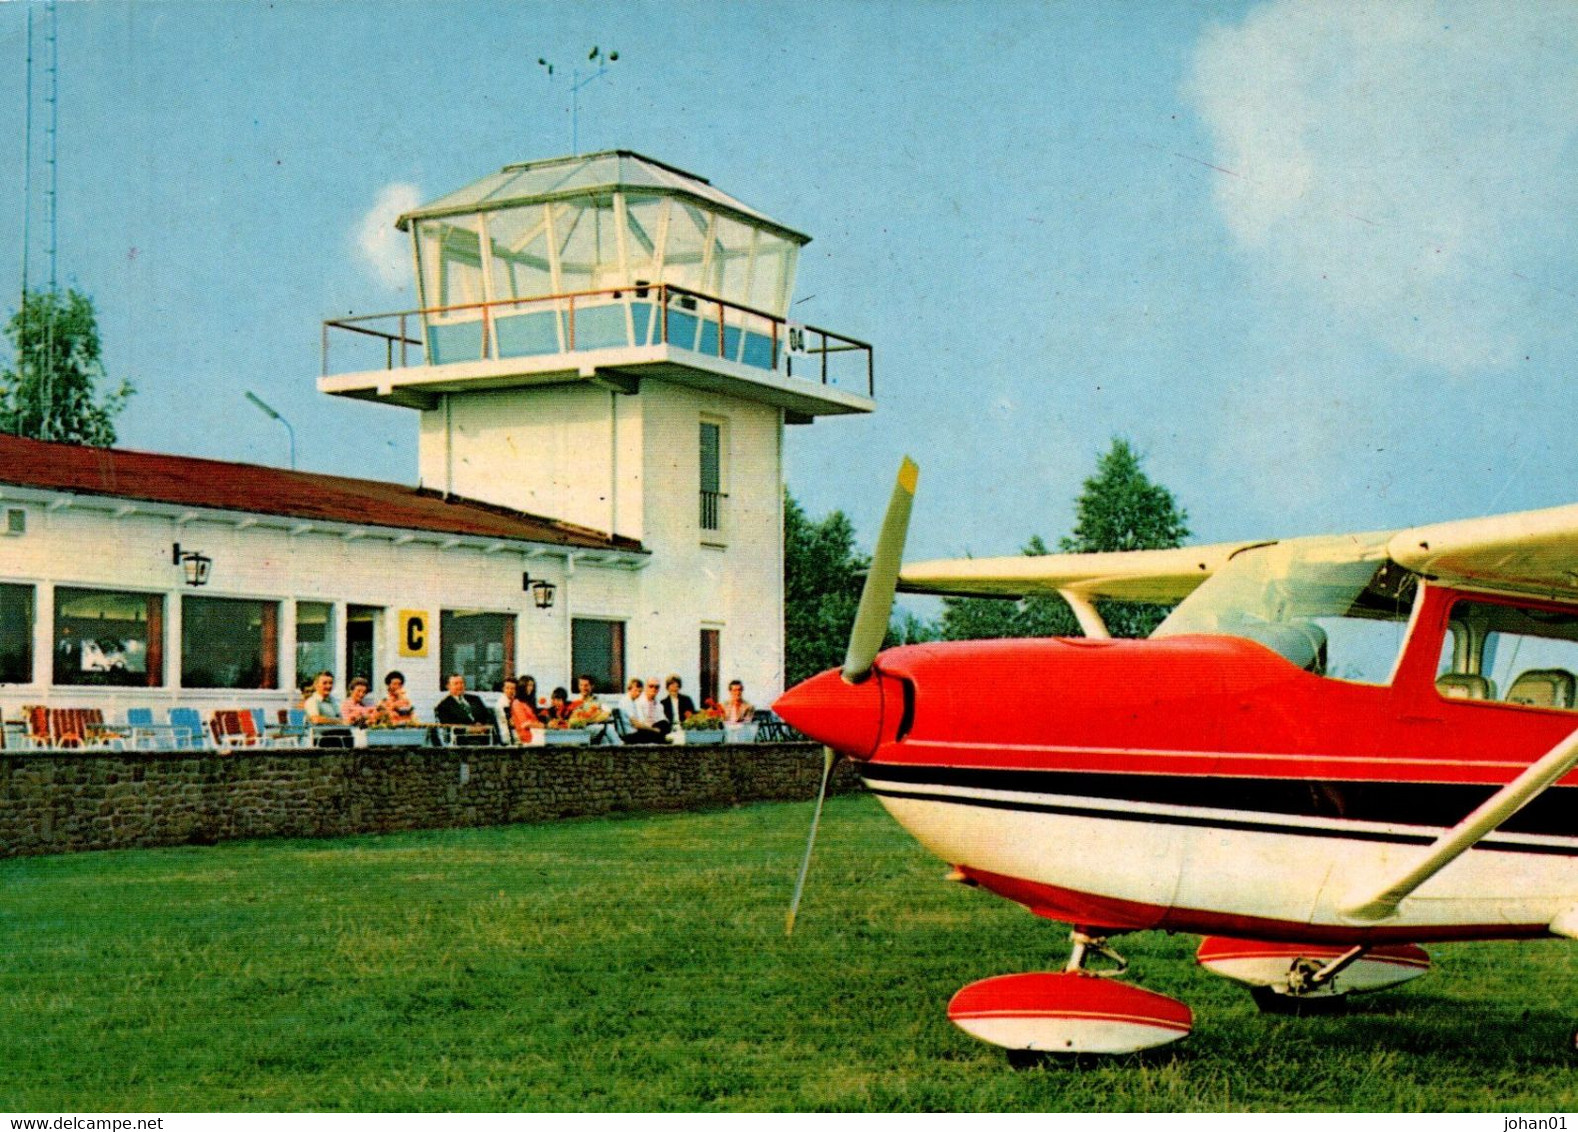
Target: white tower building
[605, 340]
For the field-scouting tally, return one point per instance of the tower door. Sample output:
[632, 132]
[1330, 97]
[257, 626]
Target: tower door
[361, 642]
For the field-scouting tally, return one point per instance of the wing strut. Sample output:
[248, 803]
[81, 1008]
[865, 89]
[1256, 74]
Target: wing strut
[1377, 905]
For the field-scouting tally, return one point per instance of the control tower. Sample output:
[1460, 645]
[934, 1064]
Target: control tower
[605, 340]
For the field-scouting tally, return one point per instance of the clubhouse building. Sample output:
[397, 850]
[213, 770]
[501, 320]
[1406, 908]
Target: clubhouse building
[603, 368]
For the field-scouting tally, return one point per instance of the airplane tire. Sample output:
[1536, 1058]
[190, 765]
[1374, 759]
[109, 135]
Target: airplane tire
[1270, 1001]
[1028, 1058]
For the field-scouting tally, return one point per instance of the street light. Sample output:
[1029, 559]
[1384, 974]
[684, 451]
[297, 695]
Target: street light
[263, 405]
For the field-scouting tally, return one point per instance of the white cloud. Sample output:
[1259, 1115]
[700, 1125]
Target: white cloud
[385, 250]
[1402, 170]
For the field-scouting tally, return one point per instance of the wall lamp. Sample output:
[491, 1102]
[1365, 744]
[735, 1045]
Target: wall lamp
[196, 563]
[541, 590]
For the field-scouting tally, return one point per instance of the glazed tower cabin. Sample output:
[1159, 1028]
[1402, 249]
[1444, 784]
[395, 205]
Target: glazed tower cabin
[605, 339]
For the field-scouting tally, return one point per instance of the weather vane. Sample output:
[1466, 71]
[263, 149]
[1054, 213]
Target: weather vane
[596, 55]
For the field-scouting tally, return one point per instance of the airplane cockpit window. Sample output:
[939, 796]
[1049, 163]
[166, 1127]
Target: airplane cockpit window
[1336, 606]
[1505, 654]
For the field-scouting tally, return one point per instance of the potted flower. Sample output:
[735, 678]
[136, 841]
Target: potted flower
[705, 726]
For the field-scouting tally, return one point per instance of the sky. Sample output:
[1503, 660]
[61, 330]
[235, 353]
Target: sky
[1315, 261]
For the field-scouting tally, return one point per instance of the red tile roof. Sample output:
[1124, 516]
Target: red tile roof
[217, 484]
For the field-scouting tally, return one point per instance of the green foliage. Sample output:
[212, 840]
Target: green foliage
[1121, 508]
[985, 618]
[640, 964]
[822, 582]
[51, 390]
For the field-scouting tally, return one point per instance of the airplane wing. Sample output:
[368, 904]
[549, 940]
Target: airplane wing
[1525, 551]
[1156, 576]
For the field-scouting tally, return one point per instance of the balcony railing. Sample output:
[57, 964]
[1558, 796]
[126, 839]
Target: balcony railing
[644, 315]
[711, 510]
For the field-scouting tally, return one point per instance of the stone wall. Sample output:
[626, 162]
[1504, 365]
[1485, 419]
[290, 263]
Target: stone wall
[61, 801]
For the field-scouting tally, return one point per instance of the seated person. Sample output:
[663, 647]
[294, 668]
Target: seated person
[647, 724]
[588, 697]
[735, 709]
[358, 710]
[395, 704]
[526, 691]
[504, 713]
[524, 718]
[558, 708]
[676, 705]
[462, 709]
[321, 707]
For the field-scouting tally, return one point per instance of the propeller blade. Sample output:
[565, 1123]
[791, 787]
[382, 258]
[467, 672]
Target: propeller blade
[829, 757]
[876, 599]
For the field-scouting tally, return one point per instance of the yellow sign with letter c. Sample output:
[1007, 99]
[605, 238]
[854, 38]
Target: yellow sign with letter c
[413, 632]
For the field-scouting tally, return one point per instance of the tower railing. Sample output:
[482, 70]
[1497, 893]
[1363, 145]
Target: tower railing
[645, 314]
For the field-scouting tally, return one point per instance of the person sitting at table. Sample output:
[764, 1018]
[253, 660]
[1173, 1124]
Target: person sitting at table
[647, 724]
[524, 718]
[677, 705]
[632, 696]
[735, 709]
[321, 707]
[395, 704]
[357, 709]
[558, 708]
[462, 709]
[526, 692]
[504, 714]
[588, 697]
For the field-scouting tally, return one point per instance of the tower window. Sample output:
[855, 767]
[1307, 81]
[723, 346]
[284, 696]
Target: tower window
[711, 476]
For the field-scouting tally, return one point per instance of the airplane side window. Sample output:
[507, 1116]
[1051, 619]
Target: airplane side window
[1510, 655]
[1334, 606]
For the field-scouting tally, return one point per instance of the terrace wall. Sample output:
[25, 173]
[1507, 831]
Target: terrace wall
[60, 802]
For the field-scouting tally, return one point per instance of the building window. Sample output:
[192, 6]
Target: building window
[16, 634]
[108, 637]
[711, 476]
[480, 646]
[711, 647]
[314, 639]
[597, 649]
[229, 643]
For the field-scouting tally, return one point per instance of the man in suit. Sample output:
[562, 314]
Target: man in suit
[461, 708]
[677, 705]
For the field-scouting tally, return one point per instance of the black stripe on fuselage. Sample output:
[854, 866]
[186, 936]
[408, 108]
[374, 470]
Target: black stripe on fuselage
[1437, 804]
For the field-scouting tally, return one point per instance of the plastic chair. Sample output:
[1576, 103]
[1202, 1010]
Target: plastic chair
[186, 729]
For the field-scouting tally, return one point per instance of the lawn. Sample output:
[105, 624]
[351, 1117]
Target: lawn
[641, 964]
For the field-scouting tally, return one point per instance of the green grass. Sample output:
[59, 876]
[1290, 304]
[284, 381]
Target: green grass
[641, 964]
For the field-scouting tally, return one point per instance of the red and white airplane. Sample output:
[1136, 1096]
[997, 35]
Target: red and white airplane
[1334, 749]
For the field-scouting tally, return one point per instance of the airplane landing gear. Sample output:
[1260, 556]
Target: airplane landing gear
[1081, 1009]
[1297, 978]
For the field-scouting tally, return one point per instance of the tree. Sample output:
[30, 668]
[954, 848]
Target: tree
[822, 582]
[1121, 508]
[51, 391]
[984, 618]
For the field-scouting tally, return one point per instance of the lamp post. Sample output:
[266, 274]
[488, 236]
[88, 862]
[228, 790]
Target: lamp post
[269, 411]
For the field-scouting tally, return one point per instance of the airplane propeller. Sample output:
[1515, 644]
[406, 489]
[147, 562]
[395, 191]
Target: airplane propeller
[882, 580]
[866, 635]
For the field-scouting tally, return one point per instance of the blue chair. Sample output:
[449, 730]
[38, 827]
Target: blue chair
[187, 730]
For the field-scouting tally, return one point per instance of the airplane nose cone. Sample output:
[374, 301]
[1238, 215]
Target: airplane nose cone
[846, 717]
